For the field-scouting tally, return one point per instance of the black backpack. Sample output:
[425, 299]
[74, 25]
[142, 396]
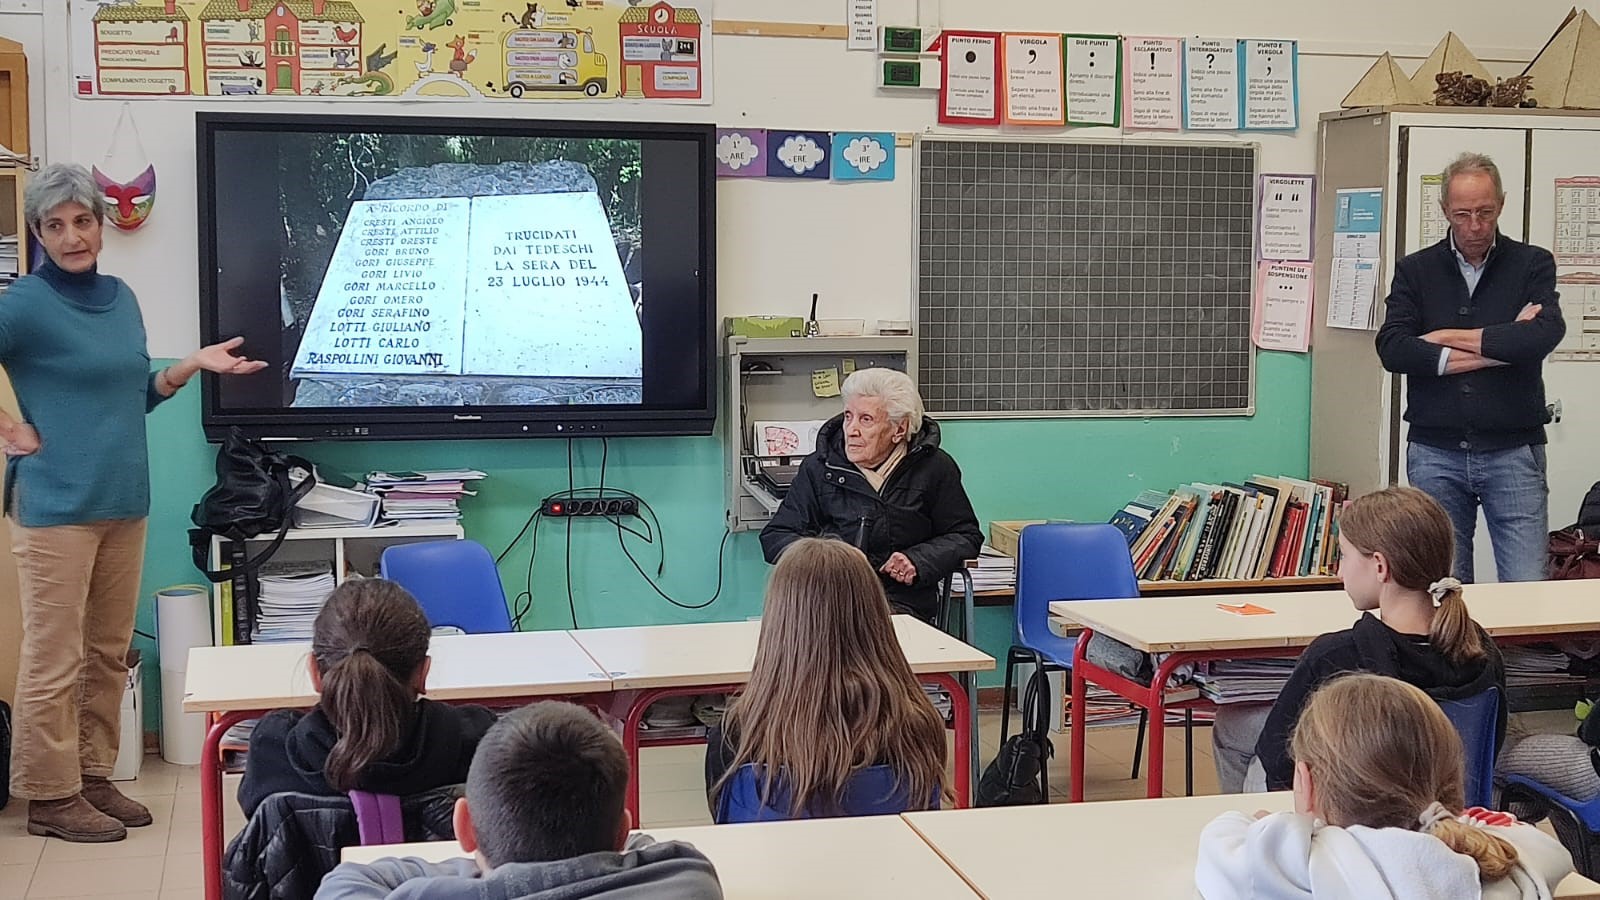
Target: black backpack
[1016, 777]
[5, 754]
[252, 496]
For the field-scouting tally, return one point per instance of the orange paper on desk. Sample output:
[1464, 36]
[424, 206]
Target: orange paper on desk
[1244, 609]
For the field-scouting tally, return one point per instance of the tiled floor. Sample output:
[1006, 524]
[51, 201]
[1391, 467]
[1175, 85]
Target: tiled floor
[163, 860]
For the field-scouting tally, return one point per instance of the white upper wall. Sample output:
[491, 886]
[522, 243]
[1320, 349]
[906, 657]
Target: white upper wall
[779, 241]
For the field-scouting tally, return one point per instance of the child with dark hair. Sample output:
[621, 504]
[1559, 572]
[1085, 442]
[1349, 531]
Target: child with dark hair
[543, 817]
[370, 730]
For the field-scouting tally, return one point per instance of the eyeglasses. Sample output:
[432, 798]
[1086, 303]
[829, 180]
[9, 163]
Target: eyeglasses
[1468, 216]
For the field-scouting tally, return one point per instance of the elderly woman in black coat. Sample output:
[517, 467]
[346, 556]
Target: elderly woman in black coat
[879, 481]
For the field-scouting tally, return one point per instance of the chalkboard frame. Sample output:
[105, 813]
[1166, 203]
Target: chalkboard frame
[1243, 346]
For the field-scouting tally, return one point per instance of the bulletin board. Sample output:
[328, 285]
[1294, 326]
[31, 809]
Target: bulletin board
[1076, 278]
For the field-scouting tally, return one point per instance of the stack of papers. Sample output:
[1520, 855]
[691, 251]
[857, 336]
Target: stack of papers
[423, 495]
[1536, 665]
[291, 596]
[1243, 680]
[8, 259]
[995, 572]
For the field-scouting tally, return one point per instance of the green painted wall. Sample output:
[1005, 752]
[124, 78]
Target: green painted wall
[1074, 468]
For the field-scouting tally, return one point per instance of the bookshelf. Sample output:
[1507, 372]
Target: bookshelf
[1004, 597]
[13, 134]
[13, 176]
[348, 550]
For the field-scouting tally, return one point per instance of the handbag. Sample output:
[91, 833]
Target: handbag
[1574, 554]
[1012, 779]
[253, 496]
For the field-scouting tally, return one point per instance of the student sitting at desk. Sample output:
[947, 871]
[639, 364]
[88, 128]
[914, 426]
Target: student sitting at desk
[1397, 546]
[830, 693]
[1378, 797]
[370, 730]
[543, 818]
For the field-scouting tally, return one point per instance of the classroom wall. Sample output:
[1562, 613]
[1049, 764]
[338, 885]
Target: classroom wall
[777, 243]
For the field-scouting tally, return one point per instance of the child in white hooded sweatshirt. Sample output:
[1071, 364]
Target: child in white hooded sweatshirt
[1378, 788]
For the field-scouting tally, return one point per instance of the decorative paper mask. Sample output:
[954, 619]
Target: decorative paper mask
[128, 204]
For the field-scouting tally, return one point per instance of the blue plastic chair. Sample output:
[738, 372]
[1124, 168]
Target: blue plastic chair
[1061, 561]
[870, 792]
[1476, 719]
[1577, 822]
[455, 582]
[378, 818]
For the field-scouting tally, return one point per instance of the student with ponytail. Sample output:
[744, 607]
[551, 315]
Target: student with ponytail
[370, 730]
[1396, 547]
[1378, 797]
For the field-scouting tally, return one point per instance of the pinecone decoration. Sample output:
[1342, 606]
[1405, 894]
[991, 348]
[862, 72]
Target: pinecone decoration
[1460, 89]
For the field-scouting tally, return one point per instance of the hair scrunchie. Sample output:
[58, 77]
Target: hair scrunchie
[1443, 586]
[1432, 816]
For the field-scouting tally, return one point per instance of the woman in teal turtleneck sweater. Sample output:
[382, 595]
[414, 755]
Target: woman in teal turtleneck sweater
[77, 491]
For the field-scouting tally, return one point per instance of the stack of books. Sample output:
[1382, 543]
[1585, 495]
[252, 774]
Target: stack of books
[423, 495]
[1263, 527]
[995, 572]
[1244, 680]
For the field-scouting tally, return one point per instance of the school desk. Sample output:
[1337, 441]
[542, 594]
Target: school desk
[998, 850]
[650, 662]
[1196, 629]
[870, 858]
[244, 682]
[641, 664]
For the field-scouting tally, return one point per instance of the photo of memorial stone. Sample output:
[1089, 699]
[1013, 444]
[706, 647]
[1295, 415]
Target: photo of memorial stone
[510, 278]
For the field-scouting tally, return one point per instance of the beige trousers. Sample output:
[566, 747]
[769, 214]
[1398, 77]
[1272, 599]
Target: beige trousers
[80, 590]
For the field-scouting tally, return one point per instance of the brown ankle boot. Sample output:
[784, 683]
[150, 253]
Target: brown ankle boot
[104, 796]
[73, 819]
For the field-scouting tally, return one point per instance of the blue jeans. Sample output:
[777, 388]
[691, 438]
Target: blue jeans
[1510, 485]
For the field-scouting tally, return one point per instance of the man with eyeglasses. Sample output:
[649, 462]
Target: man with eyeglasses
[1470, 321]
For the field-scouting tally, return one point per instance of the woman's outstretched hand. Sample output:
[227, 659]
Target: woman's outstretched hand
[219, 358]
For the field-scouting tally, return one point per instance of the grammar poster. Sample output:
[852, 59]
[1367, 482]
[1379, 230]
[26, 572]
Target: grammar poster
[462, 49]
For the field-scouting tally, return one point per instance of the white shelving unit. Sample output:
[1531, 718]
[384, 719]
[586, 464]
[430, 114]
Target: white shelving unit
[780, 390]
[347, 549]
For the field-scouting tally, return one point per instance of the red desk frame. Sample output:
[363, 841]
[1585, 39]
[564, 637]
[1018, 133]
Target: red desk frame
[1152, 696]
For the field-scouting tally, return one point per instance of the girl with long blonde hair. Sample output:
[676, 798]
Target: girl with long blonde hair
[1378, 795]
[831, 693]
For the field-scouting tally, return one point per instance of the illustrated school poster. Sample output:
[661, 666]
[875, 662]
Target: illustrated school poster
[512, 49]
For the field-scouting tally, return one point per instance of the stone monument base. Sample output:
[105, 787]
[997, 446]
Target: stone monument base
[463, 390]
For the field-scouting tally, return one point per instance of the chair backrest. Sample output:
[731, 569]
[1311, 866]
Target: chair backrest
[1476, 719]
[456, 583]
[1068, 561]
[378, 818]
[871, 792]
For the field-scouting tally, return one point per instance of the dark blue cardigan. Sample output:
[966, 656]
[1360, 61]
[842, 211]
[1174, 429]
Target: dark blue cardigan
[1490, 409]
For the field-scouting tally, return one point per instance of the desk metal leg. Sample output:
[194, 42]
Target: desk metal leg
[961, 709]
[970, 681]
[1188, 753]
[1080, 722]
[211, 819]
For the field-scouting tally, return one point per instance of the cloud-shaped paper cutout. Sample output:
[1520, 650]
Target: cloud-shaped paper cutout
[736, 151]
[801, 154]
[865, 154]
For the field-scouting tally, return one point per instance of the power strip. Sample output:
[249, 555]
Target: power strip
[566, 508]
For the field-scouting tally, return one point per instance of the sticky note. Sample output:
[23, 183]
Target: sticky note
[825, 382]
[847, 365]
[1244, 609]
